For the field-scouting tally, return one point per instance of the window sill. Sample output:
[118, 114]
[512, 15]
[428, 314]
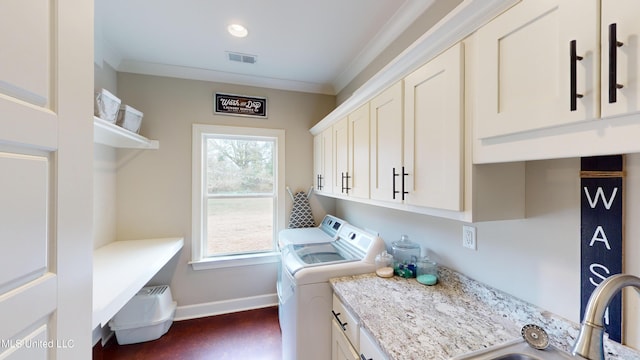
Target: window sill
[235, 261]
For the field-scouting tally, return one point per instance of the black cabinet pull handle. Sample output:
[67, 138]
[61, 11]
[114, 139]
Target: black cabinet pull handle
[320, 182]
[403, 175]
[346, 180]
[342, 325]
[614, 44]
[342, 182]
[394, 183]
[574, 74]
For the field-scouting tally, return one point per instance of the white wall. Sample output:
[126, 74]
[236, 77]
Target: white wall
[536, 259]
[154, 187]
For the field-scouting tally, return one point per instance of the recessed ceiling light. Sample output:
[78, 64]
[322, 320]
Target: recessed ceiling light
[237, 30]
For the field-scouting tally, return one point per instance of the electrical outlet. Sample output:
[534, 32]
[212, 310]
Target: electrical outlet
[469, 237]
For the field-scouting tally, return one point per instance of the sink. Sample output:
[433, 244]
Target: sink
[516, 350]
[516, 357]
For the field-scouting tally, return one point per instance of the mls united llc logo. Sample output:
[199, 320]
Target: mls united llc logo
[36, 344]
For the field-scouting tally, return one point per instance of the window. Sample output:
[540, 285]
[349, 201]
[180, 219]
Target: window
[238, 202]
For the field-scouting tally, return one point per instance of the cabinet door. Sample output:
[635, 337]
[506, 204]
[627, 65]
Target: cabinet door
[323, 161]
[359, 152]
[620, 18]
[524, 68]
[386, 144]
[433, 132]
[341, 349]
[318, 166]
[340, 156]
[368, 348]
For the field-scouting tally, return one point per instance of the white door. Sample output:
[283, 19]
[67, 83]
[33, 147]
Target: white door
[433, 132]
[386, 144]
[524, 70]
[46, 154]
[359, 152]
[620, 85]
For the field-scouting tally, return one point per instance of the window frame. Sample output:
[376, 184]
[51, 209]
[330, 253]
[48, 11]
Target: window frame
[199, 260]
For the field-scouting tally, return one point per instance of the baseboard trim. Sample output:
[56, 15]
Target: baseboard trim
[225, 307]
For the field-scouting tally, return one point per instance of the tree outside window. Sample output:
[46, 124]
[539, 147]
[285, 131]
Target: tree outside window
[240, 191]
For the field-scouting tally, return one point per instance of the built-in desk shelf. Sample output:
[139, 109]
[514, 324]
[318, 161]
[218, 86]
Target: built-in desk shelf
[113, 135]
[122, 268]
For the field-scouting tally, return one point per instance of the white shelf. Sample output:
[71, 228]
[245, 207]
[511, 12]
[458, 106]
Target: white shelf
[113, 135]
[122, 268]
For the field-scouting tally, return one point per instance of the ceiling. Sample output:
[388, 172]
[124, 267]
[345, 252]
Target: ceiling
[302, 45]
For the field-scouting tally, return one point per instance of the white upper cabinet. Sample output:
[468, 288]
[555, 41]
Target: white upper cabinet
[620, 56]
[433, 132]
[323, 161]
[351, 154]
[417, 152]
[558, 79]
[341, 157]
[386, 144]
[538, 67]
[357, 180]
[407, 148]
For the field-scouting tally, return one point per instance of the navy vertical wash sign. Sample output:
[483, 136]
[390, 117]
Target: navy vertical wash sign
[602, 232]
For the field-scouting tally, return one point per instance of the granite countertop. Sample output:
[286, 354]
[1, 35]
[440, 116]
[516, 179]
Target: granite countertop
[454, 317]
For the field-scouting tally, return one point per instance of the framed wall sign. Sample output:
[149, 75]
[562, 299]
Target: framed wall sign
[602, 232]
[240, 105]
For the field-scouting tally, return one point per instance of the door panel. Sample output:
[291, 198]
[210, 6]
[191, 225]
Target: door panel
[26, 221]
[25, 307]
[341, 349]
[30, 51]
[386, 143]
[359, 152]
[433, 141]
[624, 14]
[340, 156]
[28, 145]
[327, 161]
[524, 79]
[34, 345]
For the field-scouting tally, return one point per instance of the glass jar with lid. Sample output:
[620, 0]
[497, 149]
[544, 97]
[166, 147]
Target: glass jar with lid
[405, 255]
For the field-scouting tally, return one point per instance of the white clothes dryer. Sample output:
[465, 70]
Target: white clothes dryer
[305, 294]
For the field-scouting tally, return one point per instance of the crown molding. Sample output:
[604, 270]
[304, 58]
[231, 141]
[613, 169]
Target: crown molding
[457, 25]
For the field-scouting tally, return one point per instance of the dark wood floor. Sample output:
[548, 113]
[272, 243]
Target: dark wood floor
[253, 334]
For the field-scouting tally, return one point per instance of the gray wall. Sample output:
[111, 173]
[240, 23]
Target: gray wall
[536, 259]
[422, 24]
[154, 186]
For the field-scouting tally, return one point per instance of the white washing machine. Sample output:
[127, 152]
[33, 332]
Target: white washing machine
[327, 231]
[305, 294]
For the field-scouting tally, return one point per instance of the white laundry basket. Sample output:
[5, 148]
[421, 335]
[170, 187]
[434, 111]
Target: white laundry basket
[147, 316]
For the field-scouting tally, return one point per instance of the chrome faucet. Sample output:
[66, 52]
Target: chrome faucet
[590, 342]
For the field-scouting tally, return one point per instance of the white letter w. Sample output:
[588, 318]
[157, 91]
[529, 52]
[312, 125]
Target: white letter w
[600, 194]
